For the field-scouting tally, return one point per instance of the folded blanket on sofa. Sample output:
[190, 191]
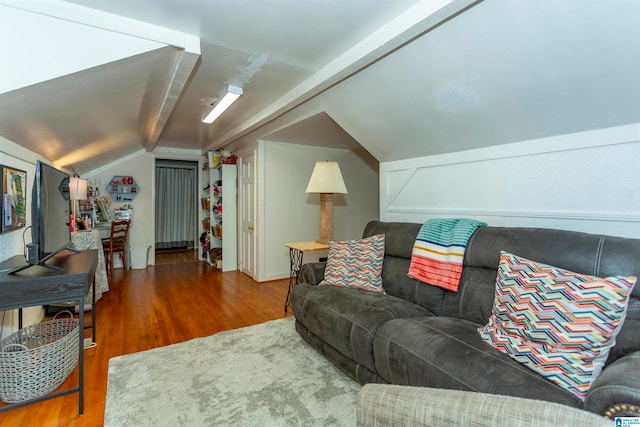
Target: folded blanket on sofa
[438, 252]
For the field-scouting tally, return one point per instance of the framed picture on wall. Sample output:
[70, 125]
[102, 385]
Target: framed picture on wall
[14, 201]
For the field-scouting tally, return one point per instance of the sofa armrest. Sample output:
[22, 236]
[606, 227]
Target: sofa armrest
[312, 273]
[616, 391]
[392, 405]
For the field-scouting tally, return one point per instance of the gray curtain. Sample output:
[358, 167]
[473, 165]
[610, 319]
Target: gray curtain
[176, 205]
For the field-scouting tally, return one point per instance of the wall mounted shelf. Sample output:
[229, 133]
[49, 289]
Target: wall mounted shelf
[123, 188]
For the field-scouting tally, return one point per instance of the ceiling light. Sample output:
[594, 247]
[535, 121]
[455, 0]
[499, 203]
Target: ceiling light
[233, 93]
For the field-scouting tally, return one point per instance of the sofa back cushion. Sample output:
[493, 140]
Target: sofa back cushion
[584, 253]
[399, 239]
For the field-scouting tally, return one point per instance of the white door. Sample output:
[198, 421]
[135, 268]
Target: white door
[247, 232]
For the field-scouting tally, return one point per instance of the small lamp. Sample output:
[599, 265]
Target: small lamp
[77, 191]
[326, 180]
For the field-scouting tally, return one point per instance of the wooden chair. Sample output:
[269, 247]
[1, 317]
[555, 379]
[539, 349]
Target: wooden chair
[116, 243]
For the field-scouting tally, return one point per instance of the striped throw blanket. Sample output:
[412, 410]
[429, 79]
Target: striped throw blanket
[439, 250]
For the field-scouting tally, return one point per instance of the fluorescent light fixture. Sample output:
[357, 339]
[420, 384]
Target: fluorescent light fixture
[233, 93]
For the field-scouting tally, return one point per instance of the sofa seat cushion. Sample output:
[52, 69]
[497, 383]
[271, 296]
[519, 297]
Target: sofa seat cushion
[447, 352]
[347, 319]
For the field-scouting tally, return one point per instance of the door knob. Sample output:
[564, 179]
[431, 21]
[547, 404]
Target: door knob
[250, 228]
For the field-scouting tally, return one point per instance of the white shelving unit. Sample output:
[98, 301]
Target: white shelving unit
[219, 204]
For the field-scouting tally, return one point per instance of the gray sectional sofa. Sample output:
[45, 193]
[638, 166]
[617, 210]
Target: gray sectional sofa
[420, 335]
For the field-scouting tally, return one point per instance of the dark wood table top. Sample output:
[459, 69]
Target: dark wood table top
[38, 285]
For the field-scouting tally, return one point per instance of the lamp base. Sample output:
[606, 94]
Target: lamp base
[326, 218]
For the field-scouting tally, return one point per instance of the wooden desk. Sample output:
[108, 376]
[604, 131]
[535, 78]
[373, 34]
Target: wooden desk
[40, 286]
[296, 253]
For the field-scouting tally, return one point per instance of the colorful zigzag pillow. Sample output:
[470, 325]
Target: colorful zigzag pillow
[558, 323]
[356, 263]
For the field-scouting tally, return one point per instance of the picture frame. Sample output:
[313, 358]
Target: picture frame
[14, 200]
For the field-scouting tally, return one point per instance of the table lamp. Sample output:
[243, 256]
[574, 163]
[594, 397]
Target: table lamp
[326, 180]
[77, 191]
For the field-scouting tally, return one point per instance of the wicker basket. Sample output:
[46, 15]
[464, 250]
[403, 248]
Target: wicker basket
[36, 360]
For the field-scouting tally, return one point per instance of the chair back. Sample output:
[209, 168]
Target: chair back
[119, 233]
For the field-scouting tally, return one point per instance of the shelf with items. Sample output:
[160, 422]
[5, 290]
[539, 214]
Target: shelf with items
[218, 192]
[204, 211]
[123, 188]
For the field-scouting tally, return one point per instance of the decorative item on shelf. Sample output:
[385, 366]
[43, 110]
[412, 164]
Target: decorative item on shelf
[217, 231]
[103, 214]
[230, 160]
[215, 255]
[205, 202]
[326, 180]
[205, 239]
[125, 212]
[215, 160]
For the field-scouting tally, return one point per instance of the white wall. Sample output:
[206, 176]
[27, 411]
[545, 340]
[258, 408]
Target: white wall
[12, 243]
[140, 166]
[587, 181]
[287, 214]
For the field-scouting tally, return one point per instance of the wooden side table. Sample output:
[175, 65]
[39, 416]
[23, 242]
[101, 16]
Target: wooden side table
[296, 254]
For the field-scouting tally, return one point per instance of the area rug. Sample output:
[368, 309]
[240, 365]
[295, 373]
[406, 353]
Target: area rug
[263, 375]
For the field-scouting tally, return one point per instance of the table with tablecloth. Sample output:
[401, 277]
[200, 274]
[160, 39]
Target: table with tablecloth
[90, 239]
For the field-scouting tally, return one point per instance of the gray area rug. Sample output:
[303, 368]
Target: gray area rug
[263, 375]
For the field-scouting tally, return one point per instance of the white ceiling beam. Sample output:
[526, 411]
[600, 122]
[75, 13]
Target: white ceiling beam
[107, 21]
[414, 22]
[183, 69]
[187, 60]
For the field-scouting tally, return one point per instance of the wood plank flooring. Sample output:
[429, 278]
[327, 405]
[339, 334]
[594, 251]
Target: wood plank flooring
[175, 257]
[164, 304]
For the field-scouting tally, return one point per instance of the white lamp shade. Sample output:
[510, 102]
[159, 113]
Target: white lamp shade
[326, 178]
[77, 188]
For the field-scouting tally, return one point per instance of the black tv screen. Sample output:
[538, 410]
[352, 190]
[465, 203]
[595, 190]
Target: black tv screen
[50, 210]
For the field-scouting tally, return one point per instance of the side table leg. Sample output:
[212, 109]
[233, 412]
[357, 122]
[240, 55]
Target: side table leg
[295, 265]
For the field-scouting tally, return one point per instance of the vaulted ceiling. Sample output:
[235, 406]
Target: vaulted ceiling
[86, 82]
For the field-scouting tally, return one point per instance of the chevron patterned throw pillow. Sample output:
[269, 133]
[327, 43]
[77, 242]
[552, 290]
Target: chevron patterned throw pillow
[356, 263]
[558, 323]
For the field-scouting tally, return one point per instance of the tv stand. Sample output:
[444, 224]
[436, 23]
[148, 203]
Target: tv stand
[43, 262]
[50, 267]
[42, 286]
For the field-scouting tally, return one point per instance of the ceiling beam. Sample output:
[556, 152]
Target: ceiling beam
[107, 21]
[182, 71]
[188, 56]
[413, 23]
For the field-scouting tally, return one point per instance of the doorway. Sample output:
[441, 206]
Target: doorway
[176, 211]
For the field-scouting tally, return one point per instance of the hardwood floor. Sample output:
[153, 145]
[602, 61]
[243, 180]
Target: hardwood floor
[174, 257]
[162, 305]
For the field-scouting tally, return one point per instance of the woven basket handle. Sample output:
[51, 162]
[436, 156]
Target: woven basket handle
[23, 347]
[63, 311]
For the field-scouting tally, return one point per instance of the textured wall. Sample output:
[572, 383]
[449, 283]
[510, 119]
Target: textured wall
[587, 181]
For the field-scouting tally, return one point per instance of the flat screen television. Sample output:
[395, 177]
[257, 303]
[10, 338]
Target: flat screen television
[50, 208]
